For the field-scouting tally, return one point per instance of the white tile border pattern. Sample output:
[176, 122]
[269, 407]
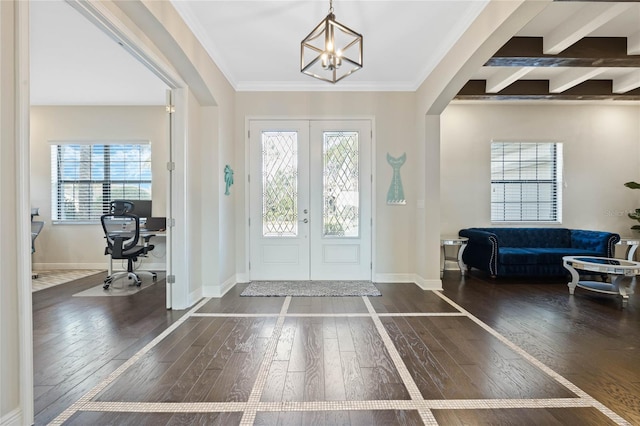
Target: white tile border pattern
[250, 408]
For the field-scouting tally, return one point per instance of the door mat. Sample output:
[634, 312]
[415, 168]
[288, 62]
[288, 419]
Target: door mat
[311, 288]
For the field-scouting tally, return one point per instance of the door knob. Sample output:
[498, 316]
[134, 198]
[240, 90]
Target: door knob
[304, 221]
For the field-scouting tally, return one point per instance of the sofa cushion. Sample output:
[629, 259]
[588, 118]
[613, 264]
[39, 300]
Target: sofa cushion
[539, 255]
[549, 255]
[517, 256]
[533, 237]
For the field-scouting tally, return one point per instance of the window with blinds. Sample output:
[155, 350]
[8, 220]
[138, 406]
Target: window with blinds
[526, 182]
[86, 177]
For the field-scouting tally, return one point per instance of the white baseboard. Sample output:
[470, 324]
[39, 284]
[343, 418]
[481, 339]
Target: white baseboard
[227, 285]
[409, 278]
[13, 418]
[242, 278]
[394, 278]
[219, 291]
[428, 284]
[195, 296]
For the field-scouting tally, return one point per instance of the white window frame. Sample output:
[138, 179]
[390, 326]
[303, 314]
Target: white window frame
[92, 214]
[526, 162]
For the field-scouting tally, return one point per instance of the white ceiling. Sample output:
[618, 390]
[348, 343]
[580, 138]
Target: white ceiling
[74, 63]
[256, 44]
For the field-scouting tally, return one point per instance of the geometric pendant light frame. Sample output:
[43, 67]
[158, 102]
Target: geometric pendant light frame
[331, 51]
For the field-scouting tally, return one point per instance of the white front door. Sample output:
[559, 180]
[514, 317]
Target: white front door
[310, 200]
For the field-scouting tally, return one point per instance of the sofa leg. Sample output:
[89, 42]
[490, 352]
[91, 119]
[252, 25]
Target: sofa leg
[493, 277]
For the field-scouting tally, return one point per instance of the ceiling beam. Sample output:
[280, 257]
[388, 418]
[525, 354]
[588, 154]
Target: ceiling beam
[633, 44]
[587, 19]
[572, 77]
[539, 90]
[588, 52]
[627, 82]
[505, 77]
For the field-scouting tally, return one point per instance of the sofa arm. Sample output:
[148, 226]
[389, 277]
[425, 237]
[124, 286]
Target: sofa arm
[481, 251]
[598, 241]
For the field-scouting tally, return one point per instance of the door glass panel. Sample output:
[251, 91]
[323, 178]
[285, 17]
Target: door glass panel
[341, 197]
[279, 184]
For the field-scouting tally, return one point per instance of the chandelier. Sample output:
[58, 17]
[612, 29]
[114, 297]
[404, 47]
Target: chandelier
[331, 51]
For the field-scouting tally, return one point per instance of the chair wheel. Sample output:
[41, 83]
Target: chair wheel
[154, 278]
[138, 283]
[105, 286]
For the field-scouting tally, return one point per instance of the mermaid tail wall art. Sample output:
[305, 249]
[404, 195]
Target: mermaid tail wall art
[396, 193]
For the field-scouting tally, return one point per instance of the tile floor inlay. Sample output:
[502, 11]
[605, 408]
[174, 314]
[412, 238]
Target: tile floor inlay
[348, 361]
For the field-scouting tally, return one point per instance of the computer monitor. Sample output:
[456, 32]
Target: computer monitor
[141, 208]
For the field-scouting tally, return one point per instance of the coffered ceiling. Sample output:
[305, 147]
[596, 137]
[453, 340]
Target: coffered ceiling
[570, 51]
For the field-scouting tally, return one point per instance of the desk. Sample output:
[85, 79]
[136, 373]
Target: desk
[632, 245]
[619, 270]
[461, 244]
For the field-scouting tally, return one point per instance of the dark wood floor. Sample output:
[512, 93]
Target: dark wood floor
[403, 358]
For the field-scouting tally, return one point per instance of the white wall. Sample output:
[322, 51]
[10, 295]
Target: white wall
[9, 299]
[215, 104]
[601, 153]
[394, 133]
[82, 246]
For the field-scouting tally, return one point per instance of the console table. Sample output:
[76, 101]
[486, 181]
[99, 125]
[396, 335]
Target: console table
[461, 244]
[622, 273]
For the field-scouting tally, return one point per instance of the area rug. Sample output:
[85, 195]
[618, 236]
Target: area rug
[311, 288]
[51, 278]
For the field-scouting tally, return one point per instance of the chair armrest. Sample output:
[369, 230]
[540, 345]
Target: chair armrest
[116, 251]
[477, 236]
[146, 238]
[600, 241]
[481, 251]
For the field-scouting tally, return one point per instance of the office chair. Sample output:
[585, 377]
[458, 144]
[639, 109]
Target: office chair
[122, 232]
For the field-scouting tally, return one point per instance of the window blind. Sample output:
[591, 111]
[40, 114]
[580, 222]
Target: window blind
[526, 182]
[86, 177]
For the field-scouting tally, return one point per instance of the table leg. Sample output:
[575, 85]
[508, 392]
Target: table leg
[461, 265]
[575, 277]
[618, 285]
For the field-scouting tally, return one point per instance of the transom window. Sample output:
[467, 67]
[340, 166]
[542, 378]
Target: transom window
[526, 182]
[86, 177]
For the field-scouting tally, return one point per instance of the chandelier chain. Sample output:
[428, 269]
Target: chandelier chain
[330, 6]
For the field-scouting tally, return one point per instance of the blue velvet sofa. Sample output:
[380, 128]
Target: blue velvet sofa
[532, 251]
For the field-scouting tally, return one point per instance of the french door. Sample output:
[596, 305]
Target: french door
[310, 200]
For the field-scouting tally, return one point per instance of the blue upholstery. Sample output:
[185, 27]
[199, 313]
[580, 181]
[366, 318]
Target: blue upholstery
[532, 251]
